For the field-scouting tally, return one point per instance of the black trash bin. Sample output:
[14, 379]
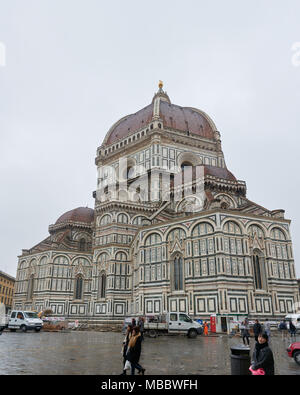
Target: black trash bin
[240, 361]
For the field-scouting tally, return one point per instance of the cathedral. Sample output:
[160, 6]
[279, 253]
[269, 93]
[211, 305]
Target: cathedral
[172, 229]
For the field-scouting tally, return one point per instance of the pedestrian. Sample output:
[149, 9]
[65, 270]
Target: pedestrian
[141, 325]
[205, 328]
[267, 328]
[283, 329]
[292, 329]
[263, 356]
[245, 332]
[125, 344]
[134, 351]
[133, 322]
[257, 329]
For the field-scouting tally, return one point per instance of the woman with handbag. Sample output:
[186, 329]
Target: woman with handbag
[263, 361]
[134, 351]
[125, 345]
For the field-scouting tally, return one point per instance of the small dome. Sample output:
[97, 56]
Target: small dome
[80, 214]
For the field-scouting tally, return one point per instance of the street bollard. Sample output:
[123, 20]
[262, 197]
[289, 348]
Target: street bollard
[240, 361]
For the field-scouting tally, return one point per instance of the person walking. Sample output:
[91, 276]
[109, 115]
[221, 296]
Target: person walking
[262, 357]
[257, 329]
[267, 328]
[292, 329]
[245, 332]
[205, 328]
[133, 322]
[125, 345]
[134, 351]
[283, 329]
[141, 325]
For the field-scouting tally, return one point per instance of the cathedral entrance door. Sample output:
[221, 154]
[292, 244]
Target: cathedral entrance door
[224, 324]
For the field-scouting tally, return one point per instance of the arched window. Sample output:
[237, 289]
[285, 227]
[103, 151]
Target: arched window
[152, 239]
[178, 233]
[102, 285]
[103, 258]
[232, 228]
[202, 229]
[30, 287]
[130, 172]
[277, 234]
[106, 219]
[122, 218]
[255, 229]
[121, 256]
[188, 172]
[178, 274]
[82, 245]
[78, 287]
[259, 272]
[140, 220]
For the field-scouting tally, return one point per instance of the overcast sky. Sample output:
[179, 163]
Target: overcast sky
[73, 68]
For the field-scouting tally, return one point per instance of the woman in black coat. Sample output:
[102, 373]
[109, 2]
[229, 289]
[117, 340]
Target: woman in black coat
[263, 356]
[134, 351]
[125, 344]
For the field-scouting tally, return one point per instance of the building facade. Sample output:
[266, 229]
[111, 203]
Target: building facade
[7, 285]
[172, 230]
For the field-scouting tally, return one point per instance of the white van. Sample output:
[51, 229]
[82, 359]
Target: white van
[172, 323]
[24, 320]
[3, 319]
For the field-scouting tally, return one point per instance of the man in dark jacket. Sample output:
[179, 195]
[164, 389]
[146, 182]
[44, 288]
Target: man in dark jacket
[257, 329]
[292, 329]
[141, 325]
[283, 329]
[263, 356]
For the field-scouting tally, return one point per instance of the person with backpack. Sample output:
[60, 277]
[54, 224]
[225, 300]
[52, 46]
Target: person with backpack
[245, 332]
[283, 329]
[292, 329]
[257, 329]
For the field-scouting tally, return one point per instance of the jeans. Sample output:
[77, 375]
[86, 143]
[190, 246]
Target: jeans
[135, 366]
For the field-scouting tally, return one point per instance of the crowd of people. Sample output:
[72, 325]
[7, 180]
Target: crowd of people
[262, 358]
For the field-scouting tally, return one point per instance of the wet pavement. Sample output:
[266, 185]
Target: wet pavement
[100, 353]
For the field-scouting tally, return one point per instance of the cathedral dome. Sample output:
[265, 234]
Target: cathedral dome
[80, 214]
[182, 119]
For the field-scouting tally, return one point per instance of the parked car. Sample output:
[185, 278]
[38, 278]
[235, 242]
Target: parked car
[24, 320]
[294, 352]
